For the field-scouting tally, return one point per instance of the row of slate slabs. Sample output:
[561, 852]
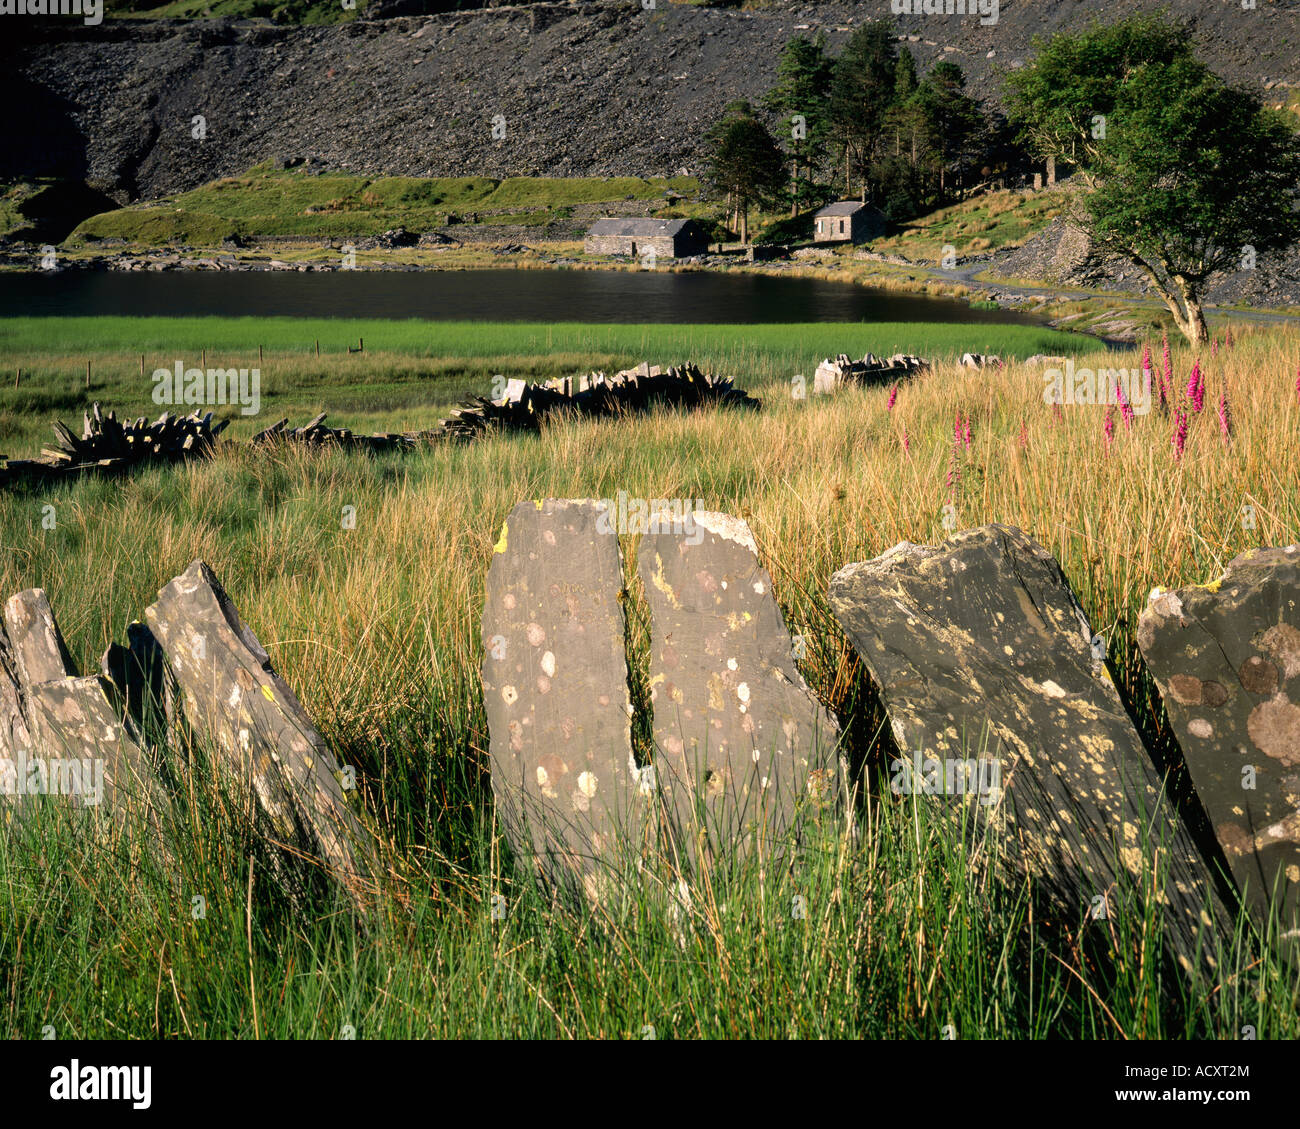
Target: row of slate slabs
[741, 743]
[193, 672]
[980, 649]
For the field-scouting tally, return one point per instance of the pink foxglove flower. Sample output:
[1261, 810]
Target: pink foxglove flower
[1179, 439]
[1196, 387]
[1125, 408]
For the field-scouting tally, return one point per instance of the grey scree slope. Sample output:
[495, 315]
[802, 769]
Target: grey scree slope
[1226, 657]
[741, 743]
[555, 691]
[985, 631]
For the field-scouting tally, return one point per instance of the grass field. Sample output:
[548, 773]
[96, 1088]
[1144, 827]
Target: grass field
[412, 371]
[908, 930]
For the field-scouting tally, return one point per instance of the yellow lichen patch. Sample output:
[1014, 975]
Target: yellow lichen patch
[500, 546]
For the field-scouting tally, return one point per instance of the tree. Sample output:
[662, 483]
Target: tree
[745, 162]
[1185, 175]
[951, 119]
[801, 97]
[862, 91]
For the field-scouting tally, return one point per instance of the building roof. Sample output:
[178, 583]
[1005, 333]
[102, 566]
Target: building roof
[640, 227]
[840, 208]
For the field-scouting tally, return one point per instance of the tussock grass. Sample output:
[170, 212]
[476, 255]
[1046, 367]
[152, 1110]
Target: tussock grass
[909, 926]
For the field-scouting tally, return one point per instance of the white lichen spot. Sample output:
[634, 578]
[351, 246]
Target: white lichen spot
[587, 784]
[548, 664]
[1052, 690]
[543, 777]
[731, 664]
[742, 692]
[509, 695]
[1199, 727]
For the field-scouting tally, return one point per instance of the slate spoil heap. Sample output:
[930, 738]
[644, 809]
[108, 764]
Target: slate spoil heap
[843, 369]
[316, 434]
[524, 405]
[107, 444]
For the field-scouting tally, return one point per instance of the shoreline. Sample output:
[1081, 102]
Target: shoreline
[1112, 317]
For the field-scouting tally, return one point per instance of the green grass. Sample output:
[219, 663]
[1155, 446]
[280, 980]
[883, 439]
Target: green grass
[413, 371]
[984, 223]
[266, 202]
[282, 11]
[910, 926]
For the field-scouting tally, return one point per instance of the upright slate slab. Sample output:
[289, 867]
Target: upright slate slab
[14, 734]
[980, 649]
[70, 728]
[555, 691]
[742, 744]
[1226, 657]
[235, 701]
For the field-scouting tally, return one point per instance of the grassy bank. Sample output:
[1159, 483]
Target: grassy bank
[907, 930]
[267, 202]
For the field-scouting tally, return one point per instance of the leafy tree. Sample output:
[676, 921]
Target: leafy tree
[745, 162]
[1186, 175]
[862, 92]
[802, 97]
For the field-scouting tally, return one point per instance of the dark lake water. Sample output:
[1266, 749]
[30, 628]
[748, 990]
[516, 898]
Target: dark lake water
[479, 295]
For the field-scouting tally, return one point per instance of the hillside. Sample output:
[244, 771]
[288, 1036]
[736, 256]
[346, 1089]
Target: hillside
[582, 88]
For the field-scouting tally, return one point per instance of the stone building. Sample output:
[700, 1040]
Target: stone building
[668, 239]
[847, 221]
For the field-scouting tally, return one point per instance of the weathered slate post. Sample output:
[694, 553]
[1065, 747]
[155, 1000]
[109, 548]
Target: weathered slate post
[234, 700]
[1226, 656]
[742, 745]
[69, 727]
[980, 650]
[555, 689]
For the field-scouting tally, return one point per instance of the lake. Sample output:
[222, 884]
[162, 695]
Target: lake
[486, 295]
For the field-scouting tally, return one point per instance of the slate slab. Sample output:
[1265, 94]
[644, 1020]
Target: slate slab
[980, 650]
[555, 690]
[234, 700]
[742, 744]
[1226, 657]
[66, 737]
